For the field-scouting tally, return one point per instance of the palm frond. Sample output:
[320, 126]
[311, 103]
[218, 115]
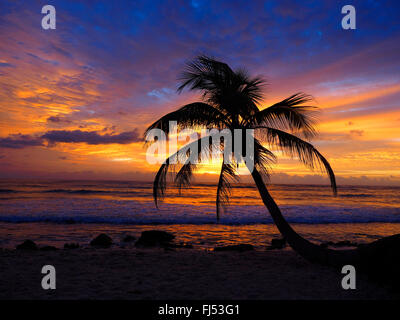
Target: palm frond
[184, 176]
[251, 87]
[295, 147]
[290, 114]
[228, 174]
[204, 73]
[263, 159]
[182, 165]
[160, 182]
[192, 115]
[233, 92]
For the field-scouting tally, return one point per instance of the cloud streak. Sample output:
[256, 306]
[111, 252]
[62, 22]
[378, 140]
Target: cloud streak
[20, 141]
[91, 137]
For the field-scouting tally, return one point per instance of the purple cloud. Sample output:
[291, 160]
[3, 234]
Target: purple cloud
[91, 137]
[19, 141]
[58, 119]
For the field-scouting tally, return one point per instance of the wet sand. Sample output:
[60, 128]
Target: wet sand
[131, 273]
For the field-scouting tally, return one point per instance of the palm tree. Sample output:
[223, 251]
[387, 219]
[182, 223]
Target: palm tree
[230, 100]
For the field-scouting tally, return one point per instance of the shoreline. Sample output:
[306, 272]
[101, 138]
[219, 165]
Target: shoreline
[200, 236]
[184, 274]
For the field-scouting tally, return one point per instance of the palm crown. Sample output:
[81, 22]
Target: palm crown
[230, 100]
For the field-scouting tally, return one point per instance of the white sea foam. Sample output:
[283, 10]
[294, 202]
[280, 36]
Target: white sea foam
[76, 210]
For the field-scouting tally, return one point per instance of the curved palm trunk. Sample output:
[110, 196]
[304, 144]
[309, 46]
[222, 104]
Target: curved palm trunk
[305, 248]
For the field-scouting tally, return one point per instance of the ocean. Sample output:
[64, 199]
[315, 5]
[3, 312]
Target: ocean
[55, 212]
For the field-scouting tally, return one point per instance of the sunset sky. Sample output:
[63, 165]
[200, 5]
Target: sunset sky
[74, 102]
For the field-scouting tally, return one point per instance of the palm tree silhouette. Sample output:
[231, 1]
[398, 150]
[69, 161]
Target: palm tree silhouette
[230, 101]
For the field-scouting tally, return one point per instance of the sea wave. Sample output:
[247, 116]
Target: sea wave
[7, 191]
[357, 195]
[133, 212]
[81, 191]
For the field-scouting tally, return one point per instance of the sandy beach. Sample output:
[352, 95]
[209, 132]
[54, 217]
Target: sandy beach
[132, 273]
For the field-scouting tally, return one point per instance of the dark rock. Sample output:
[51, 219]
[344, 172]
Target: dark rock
[237, 247]
[102, 240]
[381, 261]
[342, 243]
[48, 248]
[128, 238]
[154, 238]
[278, 243]
[326, 244]
[345, 243]
[71, 246]
[27, 245]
